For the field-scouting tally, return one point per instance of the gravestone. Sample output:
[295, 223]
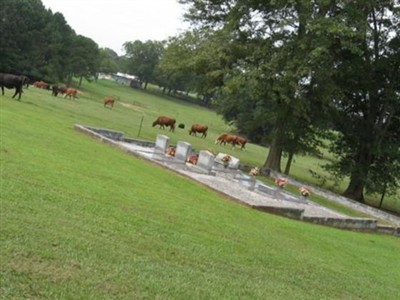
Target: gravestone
[182, 151]
[162, 143]
[233, 163]
[205, 161]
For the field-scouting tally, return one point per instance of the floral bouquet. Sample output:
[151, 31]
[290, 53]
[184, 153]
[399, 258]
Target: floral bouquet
[226, 160]
[305, 192]
[281, 182]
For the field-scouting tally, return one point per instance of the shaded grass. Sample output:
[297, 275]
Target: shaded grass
[82, 220]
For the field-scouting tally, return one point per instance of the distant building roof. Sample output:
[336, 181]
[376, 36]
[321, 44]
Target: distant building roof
[127, 76]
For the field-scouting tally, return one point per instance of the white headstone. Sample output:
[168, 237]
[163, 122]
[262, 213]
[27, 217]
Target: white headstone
[183, 150]
[162, 142]
[233, 163]
[206, 160]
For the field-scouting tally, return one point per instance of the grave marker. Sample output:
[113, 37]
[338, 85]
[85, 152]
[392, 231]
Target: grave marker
[183, 151]
[162, 142]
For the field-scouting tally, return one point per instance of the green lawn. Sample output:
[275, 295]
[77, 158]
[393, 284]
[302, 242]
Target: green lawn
[82, 220]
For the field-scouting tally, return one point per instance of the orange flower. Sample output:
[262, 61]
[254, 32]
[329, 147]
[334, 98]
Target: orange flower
[170, 151]
[305, 192]
[226, 158]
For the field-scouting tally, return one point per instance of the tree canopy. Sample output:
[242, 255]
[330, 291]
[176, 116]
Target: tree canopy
[40, 44]
[301, 67]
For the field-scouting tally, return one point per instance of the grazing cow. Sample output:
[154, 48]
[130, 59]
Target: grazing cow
[165, 121]
[71, 93]
[200, 129]
[41, 85]
[241, 141]
[55, 89]
[231, 139]
[226, 138]
[11, 81]
[109, 101]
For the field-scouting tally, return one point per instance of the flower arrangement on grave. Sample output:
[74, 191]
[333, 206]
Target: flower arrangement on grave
[226, 160]
[254, 171]
[281, 182]
[305, 192]
[170, 151]
[192, 159]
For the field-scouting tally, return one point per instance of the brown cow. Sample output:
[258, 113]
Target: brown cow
[200, 129]
[231, 139]
[70, 92]
[241, 141]
[109, 101]
[226, 138]
[55, 89]
[165, 121]
[41, 85]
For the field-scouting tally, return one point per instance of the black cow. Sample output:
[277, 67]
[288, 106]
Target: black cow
[11, 81]
[55, 89]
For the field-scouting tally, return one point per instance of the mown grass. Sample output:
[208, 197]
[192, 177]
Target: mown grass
[82, 220]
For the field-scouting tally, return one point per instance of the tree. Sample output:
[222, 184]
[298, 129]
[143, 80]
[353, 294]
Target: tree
[108, 61]
[277, 55]
[40, 44]
[21, 45]
[175, 68]
[58, 51]
[143, 59]
[84, 60]
[368, 107]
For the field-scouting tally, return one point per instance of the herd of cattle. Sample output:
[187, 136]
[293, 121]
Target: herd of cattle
[18, 82]
[11, 81]
[223, 139]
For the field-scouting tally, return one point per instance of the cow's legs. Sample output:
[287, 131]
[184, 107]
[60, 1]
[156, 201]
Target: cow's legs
[18, 91]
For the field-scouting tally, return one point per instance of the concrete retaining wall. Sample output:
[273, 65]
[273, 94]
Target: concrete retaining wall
[114, 137]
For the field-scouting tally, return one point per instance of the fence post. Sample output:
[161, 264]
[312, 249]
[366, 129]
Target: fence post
[140, 126]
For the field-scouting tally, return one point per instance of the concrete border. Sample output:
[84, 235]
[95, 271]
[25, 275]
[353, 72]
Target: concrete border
[114, 138]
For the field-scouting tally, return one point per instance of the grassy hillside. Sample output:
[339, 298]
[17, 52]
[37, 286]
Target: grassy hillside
[82, 220]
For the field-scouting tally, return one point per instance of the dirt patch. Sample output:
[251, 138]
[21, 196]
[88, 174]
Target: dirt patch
[134, 106]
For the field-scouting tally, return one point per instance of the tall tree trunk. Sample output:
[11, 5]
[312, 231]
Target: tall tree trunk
[355, 190]
[274, 157]
[80, 81]
[359, 174]
[289, 162]
[383, 196]
[273, 161]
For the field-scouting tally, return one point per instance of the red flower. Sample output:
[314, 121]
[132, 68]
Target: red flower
[281, 182]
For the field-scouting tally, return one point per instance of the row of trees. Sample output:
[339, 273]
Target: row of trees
[287, 73]
[39, 43]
